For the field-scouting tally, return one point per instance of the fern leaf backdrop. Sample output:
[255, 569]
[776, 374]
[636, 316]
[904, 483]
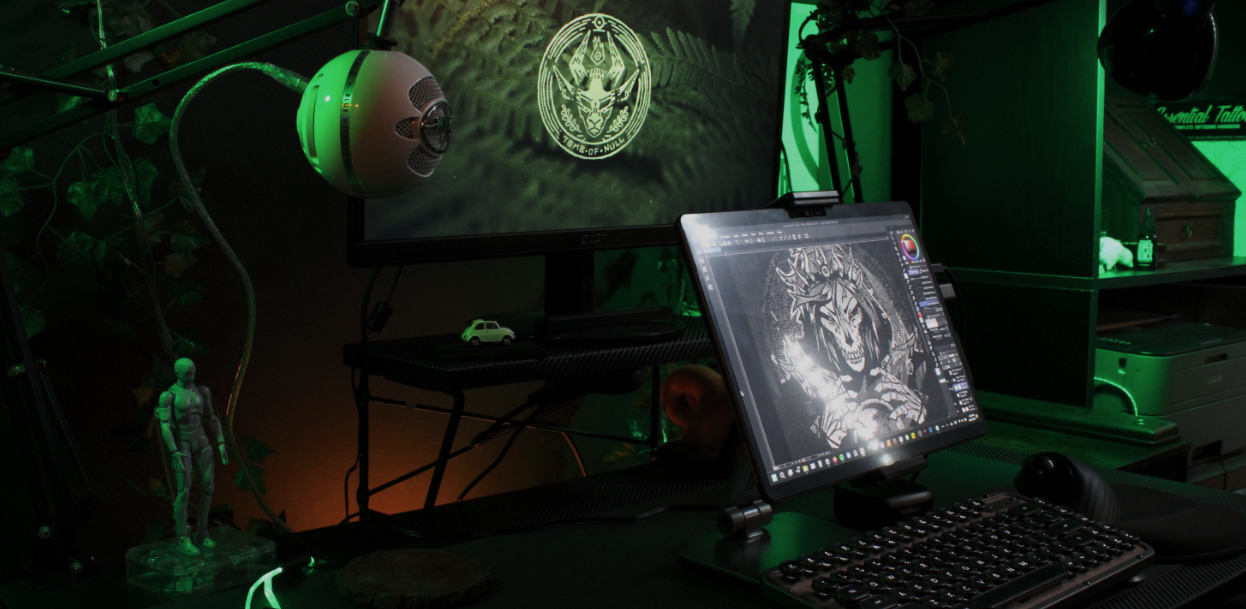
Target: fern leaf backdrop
[708, 142]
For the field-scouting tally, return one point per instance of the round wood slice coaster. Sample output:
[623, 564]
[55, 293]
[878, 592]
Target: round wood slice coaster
[413, 579]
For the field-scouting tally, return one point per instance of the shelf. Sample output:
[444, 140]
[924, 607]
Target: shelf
[1175, 272]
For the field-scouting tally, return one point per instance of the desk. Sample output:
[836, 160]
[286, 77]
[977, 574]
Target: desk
[624, 566]
[414, 362]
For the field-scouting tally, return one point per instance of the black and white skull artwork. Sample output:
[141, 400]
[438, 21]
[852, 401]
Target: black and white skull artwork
[845, 343]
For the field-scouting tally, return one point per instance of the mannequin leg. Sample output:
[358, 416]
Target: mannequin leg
[182, 500]
[204, 471]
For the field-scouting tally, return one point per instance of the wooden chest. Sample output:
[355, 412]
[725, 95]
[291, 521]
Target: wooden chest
[1148, 164]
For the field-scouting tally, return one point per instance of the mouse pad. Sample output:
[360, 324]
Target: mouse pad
[1179, 529]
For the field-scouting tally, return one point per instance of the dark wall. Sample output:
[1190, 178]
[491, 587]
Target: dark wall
[288, 227]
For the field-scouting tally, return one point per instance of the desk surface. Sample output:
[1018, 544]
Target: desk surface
[414, 361]
[628, 565]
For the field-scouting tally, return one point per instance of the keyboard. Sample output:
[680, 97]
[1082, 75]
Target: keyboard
[1001, 551]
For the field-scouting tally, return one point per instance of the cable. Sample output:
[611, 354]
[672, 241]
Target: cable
[297, 83]
[394, 285]
[575, 451]
[501, 455]
[960, 304]
[363, 308]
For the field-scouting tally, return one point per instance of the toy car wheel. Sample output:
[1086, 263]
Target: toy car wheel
[475, 341]
[506, 340]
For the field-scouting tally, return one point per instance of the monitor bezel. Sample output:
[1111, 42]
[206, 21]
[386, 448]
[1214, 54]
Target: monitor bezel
[920, 447]
[362, 253]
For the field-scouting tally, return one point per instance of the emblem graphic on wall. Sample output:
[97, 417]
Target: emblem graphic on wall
[593, 86]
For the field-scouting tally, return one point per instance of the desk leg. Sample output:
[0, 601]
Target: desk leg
[447, 444]
[655, 411]
[363, 399]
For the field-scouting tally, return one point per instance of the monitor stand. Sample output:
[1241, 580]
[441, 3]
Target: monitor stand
[752, 537]
[883, 496]
[570, 321]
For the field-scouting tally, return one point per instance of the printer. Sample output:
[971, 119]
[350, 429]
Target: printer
[1191, 374]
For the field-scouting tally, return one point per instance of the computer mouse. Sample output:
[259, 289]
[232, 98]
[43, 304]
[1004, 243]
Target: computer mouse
[1067, 482]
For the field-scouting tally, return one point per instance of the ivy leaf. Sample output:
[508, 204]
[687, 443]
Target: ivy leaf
[135, 62]
[83, 197]
[188, 293]
[10, 197]
[145, 173]
[150, 124]
[128, 20]
[195, 45]
[108, 185]
[920, 109]
[177, 263]
[903, 74]
[848, 74]
[75, 246]
[257, 451]
[257, 474]
[188, 346]
[151, 228]
[33, 320]
[917, 8]
[866, 46]
[65, 101]
[955, 126]
[21, 159]
[101, 252]
[944, 64]
[185, 244]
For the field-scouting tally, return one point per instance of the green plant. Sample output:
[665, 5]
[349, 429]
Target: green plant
[852, 26]
[130, 243]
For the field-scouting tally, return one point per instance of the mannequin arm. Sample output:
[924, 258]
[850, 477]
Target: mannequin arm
[164, 413]
[209, 416]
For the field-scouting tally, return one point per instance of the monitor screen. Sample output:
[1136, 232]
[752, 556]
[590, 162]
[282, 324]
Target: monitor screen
[584, 125]
[834, 340]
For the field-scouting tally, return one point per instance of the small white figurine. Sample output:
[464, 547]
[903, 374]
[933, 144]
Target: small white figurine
[481, 331]
[1112, 253]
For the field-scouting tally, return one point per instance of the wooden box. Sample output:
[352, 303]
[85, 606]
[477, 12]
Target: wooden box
[1148, 164]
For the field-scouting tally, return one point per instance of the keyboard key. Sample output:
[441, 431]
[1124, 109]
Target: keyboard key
[1079, 539]
[878, 601]
[1064, 527]
[903, 595]
[849, 596]
[824, 585]
[1021, 587]
[1025, 509]
[934, 602]
[791, 569]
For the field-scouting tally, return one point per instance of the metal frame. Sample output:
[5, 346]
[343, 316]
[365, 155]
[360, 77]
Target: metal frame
[814, 46]
[364, 398]
[55, 79]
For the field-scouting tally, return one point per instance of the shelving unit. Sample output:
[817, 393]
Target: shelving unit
[1017, 212]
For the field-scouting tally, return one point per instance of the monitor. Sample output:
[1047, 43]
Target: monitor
[578, 128]
[834, 338]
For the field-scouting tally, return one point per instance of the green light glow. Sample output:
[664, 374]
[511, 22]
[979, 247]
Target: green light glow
[1133, 404]
[1229, 156]
[267, 581]
[869, 103]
